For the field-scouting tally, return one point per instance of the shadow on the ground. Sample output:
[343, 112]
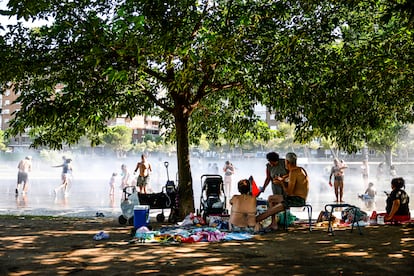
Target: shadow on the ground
[54, 246]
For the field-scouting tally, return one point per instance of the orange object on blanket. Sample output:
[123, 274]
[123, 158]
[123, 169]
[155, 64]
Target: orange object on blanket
[255, 190]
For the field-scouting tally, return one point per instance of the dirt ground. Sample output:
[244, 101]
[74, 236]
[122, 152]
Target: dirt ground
[62, 246]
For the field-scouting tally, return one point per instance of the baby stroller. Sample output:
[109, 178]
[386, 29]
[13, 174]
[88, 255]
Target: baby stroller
[213, 197]
[128, 201]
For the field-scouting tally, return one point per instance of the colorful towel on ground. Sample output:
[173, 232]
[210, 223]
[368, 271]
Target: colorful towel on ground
[188, 235]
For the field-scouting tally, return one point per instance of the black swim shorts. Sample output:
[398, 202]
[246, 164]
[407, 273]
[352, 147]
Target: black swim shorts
[293, 201]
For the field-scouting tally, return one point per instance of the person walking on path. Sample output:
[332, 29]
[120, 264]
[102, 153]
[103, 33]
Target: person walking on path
[24, 167]
[144, 168]
[337, 171]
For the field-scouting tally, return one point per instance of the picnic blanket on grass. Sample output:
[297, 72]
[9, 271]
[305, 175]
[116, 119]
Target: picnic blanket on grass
[188, 235]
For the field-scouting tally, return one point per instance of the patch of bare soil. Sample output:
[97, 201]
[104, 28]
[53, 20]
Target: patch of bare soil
[62, 246]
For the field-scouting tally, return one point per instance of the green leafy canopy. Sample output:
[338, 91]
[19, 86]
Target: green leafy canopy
[333, 68]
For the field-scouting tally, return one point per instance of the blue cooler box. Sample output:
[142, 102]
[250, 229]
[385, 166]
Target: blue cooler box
[141, 215]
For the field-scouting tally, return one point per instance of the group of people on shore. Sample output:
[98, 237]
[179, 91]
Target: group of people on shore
[290, 187]
[143, 167]
[24, 167]
[289, 184]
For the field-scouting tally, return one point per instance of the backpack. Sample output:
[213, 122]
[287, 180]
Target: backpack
[348, 214]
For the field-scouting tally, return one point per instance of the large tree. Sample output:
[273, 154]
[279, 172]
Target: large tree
[330, 67]
[347, 69]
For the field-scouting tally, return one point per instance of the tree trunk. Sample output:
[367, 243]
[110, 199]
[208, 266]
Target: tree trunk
[185, 182]
[388, 159]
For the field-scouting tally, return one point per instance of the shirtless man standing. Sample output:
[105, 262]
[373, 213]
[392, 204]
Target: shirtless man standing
[144, 168]
[24, 166]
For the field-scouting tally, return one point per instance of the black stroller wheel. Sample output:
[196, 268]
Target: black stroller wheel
[131, 221]
[122, 220]
[160, 217]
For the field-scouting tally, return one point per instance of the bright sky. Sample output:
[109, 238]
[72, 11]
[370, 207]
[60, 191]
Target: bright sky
[4, 20]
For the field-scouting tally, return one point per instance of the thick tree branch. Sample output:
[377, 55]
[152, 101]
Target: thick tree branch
[154, 74]
[203, 91]
[225, 86]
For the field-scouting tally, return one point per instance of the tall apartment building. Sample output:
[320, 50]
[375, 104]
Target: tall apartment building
[266, 116]
[141, 125]
[8, 107]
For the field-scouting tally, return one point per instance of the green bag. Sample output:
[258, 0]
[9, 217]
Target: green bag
[290, 218]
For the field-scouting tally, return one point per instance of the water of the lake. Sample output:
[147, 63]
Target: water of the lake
[89, 192]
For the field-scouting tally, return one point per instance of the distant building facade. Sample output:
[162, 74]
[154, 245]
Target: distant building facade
[141, 125]
[8, 108]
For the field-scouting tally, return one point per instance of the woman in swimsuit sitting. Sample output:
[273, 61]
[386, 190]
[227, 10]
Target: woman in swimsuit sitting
[243, 209]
